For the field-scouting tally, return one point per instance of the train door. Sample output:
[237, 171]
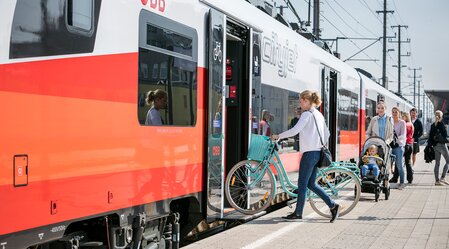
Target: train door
[216, 114]
[329, 105]
[228, 104]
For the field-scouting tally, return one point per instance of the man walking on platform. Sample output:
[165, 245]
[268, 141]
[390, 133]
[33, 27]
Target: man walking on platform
[417, 134]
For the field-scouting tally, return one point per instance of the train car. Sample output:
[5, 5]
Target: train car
[79, 168]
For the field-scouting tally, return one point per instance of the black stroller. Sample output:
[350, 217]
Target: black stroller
[368, 183]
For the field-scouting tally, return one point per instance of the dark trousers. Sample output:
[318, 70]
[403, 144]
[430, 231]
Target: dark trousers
[408, 150]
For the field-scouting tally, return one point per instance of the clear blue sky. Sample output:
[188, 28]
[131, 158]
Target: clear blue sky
[427, 21]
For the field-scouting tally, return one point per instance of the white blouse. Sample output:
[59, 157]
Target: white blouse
[309, 140]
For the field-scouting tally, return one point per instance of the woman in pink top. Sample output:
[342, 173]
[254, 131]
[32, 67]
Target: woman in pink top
[408, 149]
[264, 125]
[400, 131]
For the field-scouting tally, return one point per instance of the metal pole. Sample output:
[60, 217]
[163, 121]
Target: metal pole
[414, 86]
[316, 18]
[419, 95]
[384, 53]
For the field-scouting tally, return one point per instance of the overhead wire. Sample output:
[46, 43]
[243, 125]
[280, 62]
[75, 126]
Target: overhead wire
[339, 17]
[355, 19]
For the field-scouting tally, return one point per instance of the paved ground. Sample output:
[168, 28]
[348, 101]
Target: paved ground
[415, 217]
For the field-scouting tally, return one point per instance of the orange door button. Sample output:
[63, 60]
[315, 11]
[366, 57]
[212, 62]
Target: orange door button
[20, 170]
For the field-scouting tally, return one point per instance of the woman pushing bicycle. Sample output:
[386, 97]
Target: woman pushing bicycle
[313, 133]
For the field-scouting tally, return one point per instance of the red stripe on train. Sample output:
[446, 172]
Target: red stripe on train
[88, 195]
[103, 77]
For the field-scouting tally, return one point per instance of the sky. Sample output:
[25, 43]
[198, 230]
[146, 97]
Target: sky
[427, 21]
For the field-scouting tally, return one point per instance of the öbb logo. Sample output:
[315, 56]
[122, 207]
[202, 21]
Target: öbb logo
[155, 4]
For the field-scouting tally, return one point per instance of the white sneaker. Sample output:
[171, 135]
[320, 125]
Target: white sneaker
[438, 183]
[443, 180]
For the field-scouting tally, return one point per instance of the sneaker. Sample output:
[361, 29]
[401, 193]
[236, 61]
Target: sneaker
[438, 183]
[292, 216]
[376, 180]
[364, 179]
[400, 186]
[335, 211]
[443, 180]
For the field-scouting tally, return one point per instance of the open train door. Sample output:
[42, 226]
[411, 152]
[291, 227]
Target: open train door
[216, 115]
[329, 107]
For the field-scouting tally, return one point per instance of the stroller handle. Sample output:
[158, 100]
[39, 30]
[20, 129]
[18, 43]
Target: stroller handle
[375, 157]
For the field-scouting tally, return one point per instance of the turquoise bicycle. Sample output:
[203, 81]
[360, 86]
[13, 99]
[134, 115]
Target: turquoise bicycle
[250, 185]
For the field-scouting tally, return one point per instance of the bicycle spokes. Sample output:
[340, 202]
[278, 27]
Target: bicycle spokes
[249, 188]
[342, 186]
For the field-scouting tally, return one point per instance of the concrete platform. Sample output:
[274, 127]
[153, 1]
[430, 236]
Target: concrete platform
[415, 217]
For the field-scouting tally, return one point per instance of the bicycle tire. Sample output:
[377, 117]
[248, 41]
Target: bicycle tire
[249, 197]
[351, 192]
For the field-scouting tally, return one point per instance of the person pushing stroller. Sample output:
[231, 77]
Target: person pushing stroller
[371, 162]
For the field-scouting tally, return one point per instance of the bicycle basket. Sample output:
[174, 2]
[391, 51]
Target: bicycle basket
[259, 148]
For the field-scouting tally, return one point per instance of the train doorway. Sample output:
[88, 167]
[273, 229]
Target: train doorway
[228, 104]
[329, 83]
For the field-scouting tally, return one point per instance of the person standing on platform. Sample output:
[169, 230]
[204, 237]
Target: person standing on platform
[417, 133]
[408, 149]
[438, 139]
[292, 124]
[400, 130]
[312, 131]
[381, 125]
[264, 125]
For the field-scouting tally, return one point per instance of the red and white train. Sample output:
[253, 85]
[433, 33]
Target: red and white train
[78, 166]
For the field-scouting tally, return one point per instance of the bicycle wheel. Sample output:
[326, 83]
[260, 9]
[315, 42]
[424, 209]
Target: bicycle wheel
[249, 188]
[342, 186]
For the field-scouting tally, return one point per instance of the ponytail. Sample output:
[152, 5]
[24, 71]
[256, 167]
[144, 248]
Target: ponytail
[313, 97]
[156, 94]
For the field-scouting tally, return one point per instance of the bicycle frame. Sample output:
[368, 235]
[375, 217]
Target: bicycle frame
[284, 179]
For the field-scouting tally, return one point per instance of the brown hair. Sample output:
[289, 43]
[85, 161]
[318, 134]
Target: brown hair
[156, 94]
[396, 108]
[313, 97]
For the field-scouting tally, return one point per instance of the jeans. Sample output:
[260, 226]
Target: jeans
[306, 179]
[399, 153]
[372, 167]
[408, 150]
[440, 150]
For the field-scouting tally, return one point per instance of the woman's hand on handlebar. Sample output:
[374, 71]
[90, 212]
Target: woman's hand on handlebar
[274, 137]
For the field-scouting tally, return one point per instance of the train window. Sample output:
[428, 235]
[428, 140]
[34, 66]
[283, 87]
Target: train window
[169, 40]
[370, 111]
[176, 79]
[80, 14]
[347, 110]
[53, 27]
[168, 69]
[281, 105]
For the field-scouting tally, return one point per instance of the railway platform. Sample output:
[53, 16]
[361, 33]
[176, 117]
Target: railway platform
[414, 217]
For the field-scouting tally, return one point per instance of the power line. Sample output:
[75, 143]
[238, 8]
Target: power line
[335, 12]
[372, 12]
[355, 19]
